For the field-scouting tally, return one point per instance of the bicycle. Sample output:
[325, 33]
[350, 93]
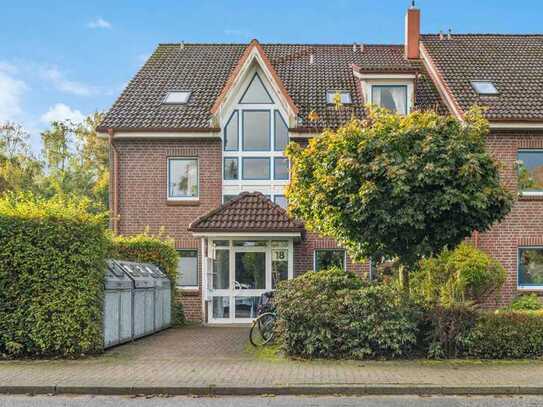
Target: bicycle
[263, 328]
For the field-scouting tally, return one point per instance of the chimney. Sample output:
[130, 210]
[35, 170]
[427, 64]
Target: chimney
[412, 32]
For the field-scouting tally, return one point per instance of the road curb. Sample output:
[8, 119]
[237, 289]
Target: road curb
[307, 390]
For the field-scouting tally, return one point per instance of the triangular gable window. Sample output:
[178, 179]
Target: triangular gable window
[256, 93]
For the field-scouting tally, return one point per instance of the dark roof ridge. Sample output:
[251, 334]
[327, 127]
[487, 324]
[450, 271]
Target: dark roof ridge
[487, 34]
[214, 44]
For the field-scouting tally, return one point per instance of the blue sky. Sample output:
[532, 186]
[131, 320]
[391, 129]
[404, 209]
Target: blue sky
[66, 59]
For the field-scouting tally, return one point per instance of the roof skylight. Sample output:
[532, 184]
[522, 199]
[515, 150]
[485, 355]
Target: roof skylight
[345, 96]
[484, 87]
[176, 97]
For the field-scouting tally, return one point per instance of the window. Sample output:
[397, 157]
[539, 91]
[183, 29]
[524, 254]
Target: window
[256, 168]
[484, 87]
[280, 168]
[183, 178]
[327, 258]
[279, 262]
[227, 198]
[231, 133]
[391, 97]
[281, 200]
[187, 269]
[177, 97]
[256, 130]
[280, 139]
[256, 93]
[231, 170]
[344, 95]
[530, 172]
[530, 267]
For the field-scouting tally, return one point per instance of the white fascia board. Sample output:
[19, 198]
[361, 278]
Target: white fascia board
[168, 135]
[247, 234]
[517, 125]
[380, 76]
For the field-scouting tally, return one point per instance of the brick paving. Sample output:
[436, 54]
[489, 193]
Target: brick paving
[200, 356]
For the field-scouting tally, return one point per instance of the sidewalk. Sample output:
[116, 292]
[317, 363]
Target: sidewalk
[203, 361]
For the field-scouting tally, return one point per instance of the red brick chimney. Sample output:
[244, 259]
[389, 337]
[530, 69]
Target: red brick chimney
[412, 32]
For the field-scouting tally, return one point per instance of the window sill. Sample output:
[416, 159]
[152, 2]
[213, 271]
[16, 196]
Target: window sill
[530, 196]
[534, 289]
[189, 291]
[182, 202]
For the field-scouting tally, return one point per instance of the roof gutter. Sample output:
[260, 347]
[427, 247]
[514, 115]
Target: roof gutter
[154, 133]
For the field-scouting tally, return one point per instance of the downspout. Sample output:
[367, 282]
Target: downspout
[113, 178]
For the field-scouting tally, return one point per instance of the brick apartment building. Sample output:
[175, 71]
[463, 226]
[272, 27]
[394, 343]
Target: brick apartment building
[197, 142]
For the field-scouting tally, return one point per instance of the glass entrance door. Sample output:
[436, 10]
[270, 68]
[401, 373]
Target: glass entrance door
[242, 271]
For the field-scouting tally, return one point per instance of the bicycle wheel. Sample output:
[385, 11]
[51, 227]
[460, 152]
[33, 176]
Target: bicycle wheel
[263, 330]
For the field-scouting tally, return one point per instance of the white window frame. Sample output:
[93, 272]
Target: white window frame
[526, 287]
[270, 186]
[367, 82]
[528, 193]
[190, 287]
[329, 250]
[182, 198]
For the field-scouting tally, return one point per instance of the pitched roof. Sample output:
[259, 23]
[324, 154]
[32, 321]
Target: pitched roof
[205, 68]
[514, 63]
[248, 212]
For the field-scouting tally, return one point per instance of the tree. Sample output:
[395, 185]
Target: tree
[402, 187]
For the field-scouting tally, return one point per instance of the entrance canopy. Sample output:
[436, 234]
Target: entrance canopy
[250, 214]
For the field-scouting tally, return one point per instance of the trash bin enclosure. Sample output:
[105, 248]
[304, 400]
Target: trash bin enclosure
[137, 301]
[117, 306]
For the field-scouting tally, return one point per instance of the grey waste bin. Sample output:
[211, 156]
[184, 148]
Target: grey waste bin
[143, 298]
[117, 306]
[162, 297]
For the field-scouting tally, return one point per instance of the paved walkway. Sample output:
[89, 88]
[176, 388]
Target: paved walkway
[196, 359]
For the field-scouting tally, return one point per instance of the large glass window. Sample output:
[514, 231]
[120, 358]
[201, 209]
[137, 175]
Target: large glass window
[231, 133]
[256, 168]
[280, 168]
[328, 258]
[256, 130]
[183, 178]
[231, 170]
[530, 171]
[187, 269]
[281, 132]
[530, 267]
[250, 270]
[221, 269]
[391, 97]
[256, 93]
[279, 262]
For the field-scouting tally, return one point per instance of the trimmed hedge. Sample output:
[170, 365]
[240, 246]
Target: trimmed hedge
[158, 250]
[333, 314]
[52, 261]
[506, 335]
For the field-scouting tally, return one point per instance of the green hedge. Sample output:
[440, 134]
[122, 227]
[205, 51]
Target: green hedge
[158, 250]
[506, 335]
[52, 259]
[333, 314]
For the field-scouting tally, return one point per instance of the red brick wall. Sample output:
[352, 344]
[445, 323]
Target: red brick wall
[524, 224]
[143, 192]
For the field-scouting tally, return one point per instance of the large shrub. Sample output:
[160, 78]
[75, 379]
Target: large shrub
[506, 335]
[52, 261]
[333, 314]
[158, 250]
[527, 302]
[455, 276]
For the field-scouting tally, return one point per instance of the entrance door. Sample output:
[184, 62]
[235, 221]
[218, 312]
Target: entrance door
[242, 272]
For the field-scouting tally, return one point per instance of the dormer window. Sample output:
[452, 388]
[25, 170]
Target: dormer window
[484, 88]
[344, 95]
[177, 97]
[391, 97]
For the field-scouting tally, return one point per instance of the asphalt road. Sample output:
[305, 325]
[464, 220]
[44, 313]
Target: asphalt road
[280, 401]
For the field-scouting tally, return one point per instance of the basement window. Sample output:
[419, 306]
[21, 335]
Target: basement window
[344, 97]
[177, 97]
[484, 88]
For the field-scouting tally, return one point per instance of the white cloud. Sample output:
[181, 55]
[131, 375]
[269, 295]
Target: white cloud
[99, 23]
[11, 93]
[61, 112]
[56, 77]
